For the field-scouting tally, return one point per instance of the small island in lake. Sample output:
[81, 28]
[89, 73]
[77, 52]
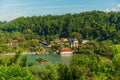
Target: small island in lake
[41, 60]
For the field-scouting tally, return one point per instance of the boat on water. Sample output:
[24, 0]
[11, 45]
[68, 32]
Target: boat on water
[41, 60]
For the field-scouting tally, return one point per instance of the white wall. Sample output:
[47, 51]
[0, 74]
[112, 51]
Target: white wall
[66, 53]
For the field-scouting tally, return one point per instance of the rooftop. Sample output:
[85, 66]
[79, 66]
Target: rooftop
[65, 49]
[64, 40]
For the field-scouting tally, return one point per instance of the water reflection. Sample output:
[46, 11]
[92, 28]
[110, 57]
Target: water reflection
[66, 59]
[51, 58]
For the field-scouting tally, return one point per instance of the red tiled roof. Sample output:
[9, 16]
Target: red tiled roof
[65, 49]
[52, 44]
[15, 42]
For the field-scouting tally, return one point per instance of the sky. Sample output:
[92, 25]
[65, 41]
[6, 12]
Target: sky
[11, 9]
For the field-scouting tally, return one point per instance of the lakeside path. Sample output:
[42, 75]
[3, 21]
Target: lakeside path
[25, 53]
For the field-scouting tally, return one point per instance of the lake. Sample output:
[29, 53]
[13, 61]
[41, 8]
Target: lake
[52, 58]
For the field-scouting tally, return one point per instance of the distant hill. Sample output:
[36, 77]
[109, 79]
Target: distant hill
[96, 25]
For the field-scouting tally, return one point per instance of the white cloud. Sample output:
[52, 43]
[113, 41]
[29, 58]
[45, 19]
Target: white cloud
[114, 9]
[118, 5]
[8, 17]
[107, 10]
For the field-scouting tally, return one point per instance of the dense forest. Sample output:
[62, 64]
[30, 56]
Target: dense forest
[95, 25]
[97, 60]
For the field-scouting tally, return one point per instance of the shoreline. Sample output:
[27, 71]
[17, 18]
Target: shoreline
[25, 53]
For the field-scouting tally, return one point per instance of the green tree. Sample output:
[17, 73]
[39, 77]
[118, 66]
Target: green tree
[15, 73]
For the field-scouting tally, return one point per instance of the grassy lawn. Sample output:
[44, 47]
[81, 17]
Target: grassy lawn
[5, 58]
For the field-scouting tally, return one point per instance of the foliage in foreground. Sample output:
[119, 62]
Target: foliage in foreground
[85, 66]
[82, 67]
[14, 72]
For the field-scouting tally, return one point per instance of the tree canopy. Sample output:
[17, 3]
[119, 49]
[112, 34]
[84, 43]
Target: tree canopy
[96, 25]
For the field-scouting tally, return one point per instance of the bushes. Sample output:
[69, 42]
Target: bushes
[63, 71]
[82, 67]
[45, 72]
[116, 61]
[90, 66]
[103, 48]
[14, 72]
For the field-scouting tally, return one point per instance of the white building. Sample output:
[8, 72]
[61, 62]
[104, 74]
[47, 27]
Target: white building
[84, 42]
[73, 42]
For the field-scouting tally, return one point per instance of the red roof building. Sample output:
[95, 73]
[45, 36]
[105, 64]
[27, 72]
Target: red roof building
[14, 43]
[66, 51]
[52, 44]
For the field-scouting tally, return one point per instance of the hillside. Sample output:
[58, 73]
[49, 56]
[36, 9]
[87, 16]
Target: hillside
[95, 25]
